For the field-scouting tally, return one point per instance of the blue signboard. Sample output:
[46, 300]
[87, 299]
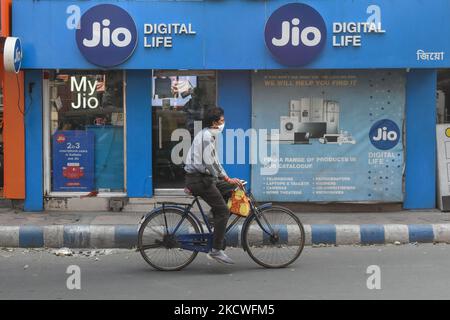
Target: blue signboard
[12, 53]
[107, 35]
[292, 43]
[242, 34]
[336, 135]
[73, 161]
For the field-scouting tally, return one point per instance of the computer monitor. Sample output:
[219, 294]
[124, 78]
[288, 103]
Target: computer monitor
[163, 87]
[315, 129]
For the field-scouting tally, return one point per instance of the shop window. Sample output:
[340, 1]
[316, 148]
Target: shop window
[87, 131]
[180, 98]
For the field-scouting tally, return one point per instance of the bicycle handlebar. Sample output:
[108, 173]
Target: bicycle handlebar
[243, 182]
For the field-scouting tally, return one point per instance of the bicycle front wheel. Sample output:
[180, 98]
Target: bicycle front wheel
[158, 240]
[273, 237]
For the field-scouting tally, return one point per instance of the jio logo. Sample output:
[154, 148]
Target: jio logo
[107, 35]
[384, 134]
[17, 56]
[295, 34]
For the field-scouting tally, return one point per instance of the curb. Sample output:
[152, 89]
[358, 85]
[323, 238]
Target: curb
[125, 236]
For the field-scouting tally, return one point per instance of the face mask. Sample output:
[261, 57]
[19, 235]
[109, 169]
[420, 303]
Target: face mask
[216, 131]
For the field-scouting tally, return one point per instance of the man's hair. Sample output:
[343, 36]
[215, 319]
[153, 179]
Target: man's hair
[212, 115]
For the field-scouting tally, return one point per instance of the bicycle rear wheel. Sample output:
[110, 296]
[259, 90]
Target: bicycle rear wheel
[158, 243]
[273, 237]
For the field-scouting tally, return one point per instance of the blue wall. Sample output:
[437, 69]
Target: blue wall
[234, 96]
[139, 134]
[34, 189]
[420, 140]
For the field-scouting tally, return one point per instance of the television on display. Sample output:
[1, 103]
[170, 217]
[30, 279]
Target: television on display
[163, 87]
[315, 129]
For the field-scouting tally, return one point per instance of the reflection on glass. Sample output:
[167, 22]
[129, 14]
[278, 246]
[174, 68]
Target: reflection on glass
[179, 99]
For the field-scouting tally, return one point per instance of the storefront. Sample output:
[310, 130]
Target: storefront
[325, 101]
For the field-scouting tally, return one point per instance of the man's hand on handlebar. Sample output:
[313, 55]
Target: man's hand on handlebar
[235, 181]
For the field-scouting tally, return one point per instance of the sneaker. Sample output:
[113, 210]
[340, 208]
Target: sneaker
[219, 256]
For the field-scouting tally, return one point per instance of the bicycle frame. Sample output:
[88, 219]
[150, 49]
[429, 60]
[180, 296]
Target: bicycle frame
[202, 242]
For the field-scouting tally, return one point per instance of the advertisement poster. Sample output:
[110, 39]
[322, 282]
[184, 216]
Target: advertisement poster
[340, 135]
[73, 161]
[109, 160]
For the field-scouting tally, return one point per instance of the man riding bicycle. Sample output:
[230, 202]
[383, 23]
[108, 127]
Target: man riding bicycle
[205, 177]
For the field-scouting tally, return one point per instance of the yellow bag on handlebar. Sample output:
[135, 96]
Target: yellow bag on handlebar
[239, 203]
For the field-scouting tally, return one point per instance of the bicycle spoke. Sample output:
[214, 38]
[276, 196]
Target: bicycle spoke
[158, 239]
[150, 246]
[279, 247]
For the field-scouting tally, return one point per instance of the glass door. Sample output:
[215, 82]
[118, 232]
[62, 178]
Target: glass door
[180, 98]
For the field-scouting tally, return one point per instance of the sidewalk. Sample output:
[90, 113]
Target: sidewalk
[55, 229]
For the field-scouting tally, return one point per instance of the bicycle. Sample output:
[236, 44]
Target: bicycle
[171, 236]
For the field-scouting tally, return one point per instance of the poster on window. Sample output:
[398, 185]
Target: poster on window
[73, 161]
[331, 135]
